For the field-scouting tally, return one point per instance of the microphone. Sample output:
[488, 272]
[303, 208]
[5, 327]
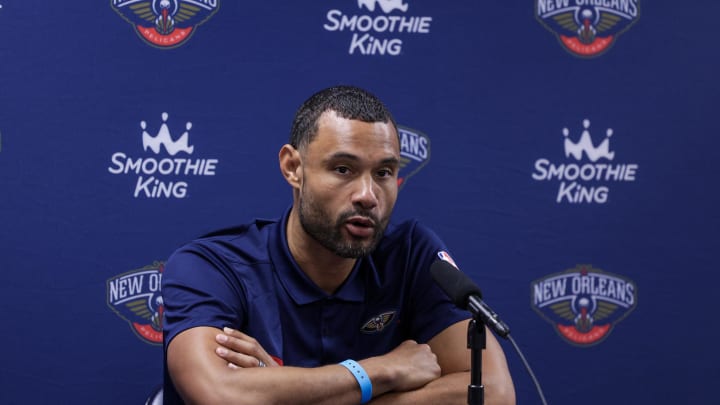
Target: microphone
[466, 295]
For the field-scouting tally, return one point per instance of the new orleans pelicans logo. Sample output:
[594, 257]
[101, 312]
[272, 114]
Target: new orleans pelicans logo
[378, 323]
[135, 297]
[165, 23]
[587, 28]
[583, 303]
[414, 153]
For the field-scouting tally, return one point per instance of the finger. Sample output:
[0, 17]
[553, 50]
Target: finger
[240, 345]
[270, 362]
[238, 360]
[238, 342]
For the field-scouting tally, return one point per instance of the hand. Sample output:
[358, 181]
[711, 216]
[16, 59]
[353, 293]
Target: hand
[241, 350]
[415, 365]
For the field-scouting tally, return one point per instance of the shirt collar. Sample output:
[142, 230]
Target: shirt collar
[299, 286]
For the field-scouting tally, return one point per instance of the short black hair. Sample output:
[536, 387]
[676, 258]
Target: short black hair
[348, 102]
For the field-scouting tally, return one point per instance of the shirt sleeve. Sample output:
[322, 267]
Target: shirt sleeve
[199, 288]
[433, 311]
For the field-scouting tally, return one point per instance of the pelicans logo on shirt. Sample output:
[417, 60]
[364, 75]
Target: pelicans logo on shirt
[165, 23]
[378, 323]
[587, 28]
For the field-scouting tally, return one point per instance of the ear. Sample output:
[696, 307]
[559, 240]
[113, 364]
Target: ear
[291, 165]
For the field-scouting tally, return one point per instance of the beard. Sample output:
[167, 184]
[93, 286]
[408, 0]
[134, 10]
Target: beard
[320, 226]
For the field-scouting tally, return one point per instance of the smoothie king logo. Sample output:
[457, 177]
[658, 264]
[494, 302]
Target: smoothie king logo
[162, 177]
[587, 28]
[583, 304]
[585, 182]
[165, 23]
[378, 27]
[414, 153]
[135, 297]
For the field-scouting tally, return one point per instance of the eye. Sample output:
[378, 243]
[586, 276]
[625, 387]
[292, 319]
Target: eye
[342, 169]
[384, 173]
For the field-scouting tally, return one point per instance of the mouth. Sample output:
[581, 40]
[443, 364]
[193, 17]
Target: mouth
[360, 227]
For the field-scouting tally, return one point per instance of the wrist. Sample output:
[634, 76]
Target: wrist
[382, 375]
[362, 378]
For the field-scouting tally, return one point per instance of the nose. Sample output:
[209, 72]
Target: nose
[365, 193]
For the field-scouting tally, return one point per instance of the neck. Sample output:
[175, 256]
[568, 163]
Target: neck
[326, 269]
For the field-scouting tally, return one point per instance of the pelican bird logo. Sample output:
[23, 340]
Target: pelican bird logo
[165, 11]
[165, 23]
[588, 31]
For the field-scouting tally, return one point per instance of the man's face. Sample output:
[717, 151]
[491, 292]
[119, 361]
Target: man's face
[349, 187]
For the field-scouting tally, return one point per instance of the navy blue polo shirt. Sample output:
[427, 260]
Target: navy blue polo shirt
[246, 278]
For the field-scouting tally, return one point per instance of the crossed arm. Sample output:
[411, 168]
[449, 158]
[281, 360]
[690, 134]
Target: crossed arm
[209, 366]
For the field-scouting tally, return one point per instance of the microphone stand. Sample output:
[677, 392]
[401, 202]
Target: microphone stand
[476, 344]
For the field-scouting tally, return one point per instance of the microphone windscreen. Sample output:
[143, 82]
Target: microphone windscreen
[454, 282]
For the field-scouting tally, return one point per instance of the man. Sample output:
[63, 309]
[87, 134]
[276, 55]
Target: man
[264, 313]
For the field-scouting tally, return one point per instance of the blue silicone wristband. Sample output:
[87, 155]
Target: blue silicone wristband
[362, 378]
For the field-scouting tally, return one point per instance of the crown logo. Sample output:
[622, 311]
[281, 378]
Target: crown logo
[386, 5]
[163, 138]
[585, 144]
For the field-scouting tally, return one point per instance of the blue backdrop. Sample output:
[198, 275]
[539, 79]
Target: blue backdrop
[565, 150]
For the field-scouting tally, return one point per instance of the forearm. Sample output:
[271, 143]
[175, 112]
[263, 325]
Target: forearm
[277, 385]
[450, 389]
[201, 376]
